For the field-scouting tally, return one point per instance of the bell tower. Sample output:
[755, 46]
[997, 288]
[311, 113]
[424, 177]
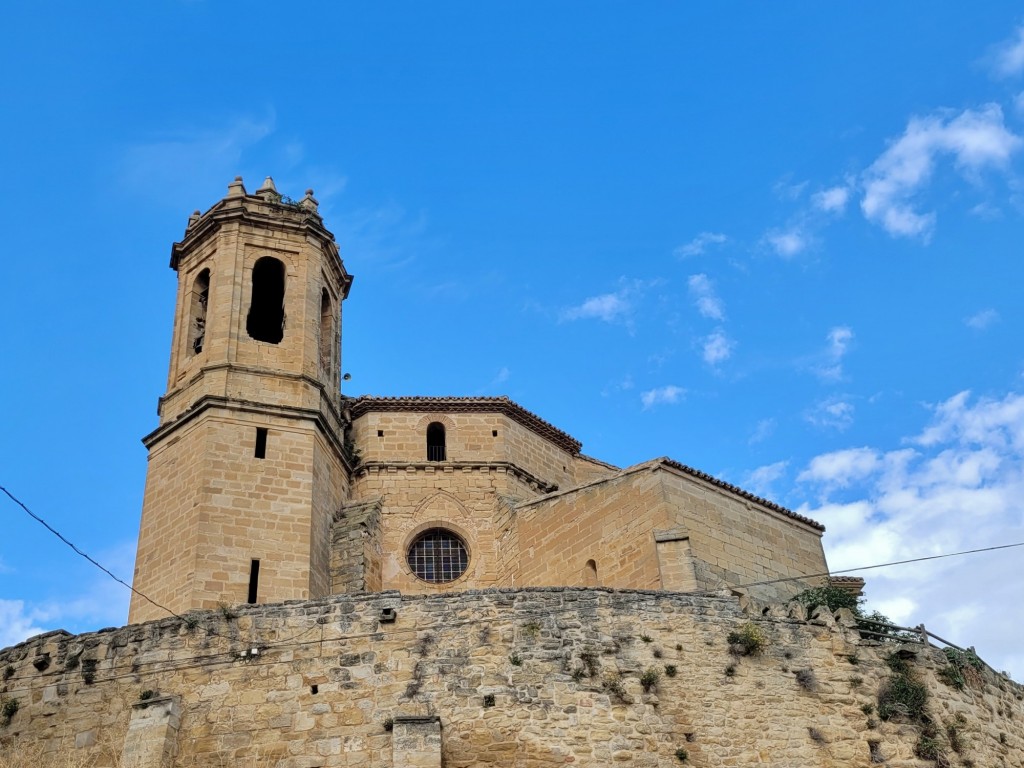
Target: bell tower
[247, 465]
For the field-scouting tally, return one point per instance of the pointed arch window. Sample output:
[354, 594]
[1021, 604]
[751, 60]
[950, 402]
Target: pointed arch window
[326, 334]
[197, 312]
[435, 442]
[265, 321]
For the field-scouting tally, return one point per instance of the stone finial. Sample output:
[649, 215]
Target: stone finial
[268, 191]
[236, 188]
[194, 218]
[309, 202]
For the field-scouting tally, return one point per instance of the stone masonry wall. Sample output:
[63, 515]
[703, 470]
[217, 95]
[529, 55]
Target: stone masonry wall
[531, 678]
[652, 527]
[413, 499]
[235, 508]
[737, 541]
[469, 437]
[610, 522]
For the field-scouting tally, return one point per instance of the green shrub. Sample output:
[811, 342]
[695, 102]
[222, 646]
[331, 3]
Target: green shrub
[830, 597]
[670, 670]
[748, 640]
[902, 696]
[952, 677]
[612, 683]
[8, 709]
[928, 748]
[964, 668]
[649, 679]
[682, 755]
[515, 660]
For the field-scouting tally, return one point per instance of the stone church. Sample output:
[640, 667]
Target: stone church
[413, 582]
[266, 484]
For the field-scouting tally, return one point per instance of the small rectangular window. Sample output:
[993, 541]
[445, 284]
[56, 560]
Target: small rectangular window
[494, 433]
[254, 581]
[380, 433]
[261, 443]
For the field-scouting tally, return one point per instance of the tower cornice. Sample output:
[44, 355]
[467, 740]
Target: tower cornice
[257, 212]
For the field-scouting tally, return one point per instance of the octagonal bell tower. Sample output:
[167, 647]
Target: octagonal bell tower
[247, 464]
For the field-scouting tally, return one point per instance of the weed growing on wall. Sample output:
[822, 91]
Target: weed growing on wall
[748, 640]
[649, 680]
[8, 709]
[806, 679]
[963, 668]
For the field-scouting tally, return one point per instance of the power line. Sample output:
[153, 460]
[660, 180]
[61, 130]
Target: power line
[79, 552]
[859, 568]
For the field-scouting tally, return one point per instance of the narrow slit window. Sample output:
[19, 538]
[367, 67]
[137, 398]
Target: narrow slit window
[261, 443]
[197, 312]
[590, 574]
[265, 321]
[435, 442]
[254, 581]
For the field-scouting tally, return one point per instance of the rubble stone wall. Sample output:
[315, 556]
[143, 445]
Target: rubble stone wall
[532, 678]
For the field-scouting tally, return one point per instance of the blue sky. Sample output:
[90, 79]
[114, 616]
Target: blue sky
[779, 243]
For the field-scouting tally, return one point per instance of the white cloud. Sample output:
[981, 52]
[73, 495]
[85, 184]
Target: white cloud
[959, 488]
[1008, 56]
[670, 393]
[706, 300]
[981, 320]
[717, 348]
[700, 244]
[832, 413]
[17, 623]
[762, 479]
[989, 422]
[839, 468]
[91, 602]
[976, 139]
[615, 307]
[608, 307]
[787, 243]
[832, 200]
[838, 342]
